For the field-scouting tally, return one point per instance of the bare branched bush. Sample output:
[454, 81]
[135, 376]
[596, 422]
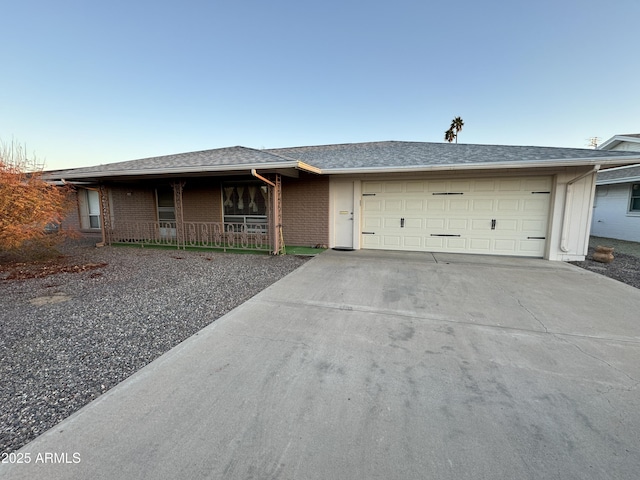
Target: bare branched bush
[31, 209]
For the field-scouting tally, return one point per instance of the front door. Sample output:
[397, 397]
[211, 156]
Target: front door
[343, 215]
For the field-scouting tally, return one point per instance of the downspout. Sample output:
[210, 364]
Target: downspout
[265, 180]
[568, 203]
[273, 221]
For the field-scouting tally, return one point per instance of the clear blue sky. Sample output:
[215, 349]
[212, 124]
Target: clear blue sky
[88, 82]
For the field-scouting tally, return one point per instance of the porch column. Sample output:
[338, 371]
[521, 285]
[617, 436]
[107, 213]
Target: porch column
[105, 212]
[275, 223]
[177, 202]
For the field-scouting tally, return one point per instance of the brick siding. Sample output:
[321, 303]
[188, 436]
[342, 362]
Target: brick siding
[133, 204]
[305, 210]
[202, 203]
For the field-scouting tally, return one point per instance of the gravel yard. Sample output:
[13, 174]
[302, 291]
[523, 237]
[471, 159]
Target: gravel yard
[626, 264]
[68, 337]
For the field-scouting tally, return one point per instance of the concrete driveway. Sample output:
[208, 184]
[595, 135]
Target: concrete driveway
[366, 365]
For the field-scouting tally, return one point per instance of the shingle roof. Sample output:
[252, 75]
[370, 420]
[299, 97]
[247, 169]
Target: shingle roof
[619, 175]
[220, 157]
[415, 154]
[373, 156]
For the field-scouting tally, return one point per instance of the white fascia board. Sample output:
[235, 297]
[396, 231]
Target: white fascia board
[618, 180]
[578, 162]
[181, 170]
[615, 140]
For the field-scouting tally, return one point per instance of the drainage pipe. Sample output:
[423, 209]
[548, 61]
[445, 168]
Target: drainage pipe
[265, 180]
[568, 203]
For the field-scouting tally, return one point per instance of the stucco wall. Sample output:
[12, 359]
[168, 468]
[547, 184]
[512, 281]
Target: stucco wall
[611, 218]
[305, 210]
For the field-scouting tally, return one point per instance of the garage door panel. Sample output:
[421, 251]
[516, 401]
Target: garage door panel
[415, 187]
[435, 223]
[370, 205]
[505, 246]
[493, 216]
[457, 224]
[416, 223]
[436, 186]
[413, 241]
[460, 186]
[537, 205]
[508, 205]
[372, 222]
[484, 186]
[480, 245]
[372, 187]
[507, 225]
[532, 246]
[392, 206]
[482, 205]
[412, 205]
[392, 240]
[510, 185]
[459, 205]
[439, 205]
[393, 187]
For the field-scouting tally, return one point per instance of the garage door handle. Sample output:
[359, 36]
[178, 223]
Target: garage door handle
[402, 223]
[493, 224]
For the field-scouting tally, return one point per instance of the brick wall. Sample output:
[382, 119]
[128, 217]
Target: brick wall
[71, 220]
[133, 204]
[305, 210]
[202, 203]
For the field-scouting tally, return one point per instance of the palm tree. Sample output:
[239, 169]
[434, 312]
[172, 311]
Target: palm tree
[456, 126]
[449, 135]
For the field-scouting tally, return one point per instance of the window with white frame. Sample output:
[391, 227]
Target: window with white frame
[244, 202]
[634, 204]
[166, 212]
[89, 202]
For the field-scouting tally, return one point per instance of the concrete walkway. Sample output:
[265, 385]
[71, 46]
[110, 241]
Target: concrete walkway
[380, 365]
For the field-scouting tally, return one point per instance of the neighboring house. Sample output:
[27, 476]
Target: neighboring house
[616, 211]
[415, 196]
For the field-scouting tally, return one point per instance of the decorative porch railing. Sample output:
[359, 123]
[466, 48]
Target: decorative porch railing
[223, 235]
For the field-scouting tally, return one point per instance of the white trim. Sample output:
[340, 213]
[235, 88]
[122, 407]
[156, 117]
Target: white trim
[614, 160]
[194, 169]
[615, 140]
[618, 181]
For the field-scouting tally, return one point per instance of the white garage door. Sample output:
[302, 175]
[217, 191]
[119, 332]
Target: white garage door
[499, 216]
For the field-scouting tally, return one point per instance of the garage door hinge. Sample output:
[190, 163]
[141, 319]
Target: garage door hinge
[444, 235]
[368, 233]
[536, 238]
[368, 194]
[447, 193]
[534, 193]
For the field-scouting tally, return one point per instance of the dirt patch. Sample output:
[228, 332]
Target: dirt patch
[25, 270]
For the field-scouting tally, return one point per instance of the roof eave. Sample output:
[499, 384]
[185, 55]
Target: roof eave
[185, 170]
[618, 180]
[488, 165]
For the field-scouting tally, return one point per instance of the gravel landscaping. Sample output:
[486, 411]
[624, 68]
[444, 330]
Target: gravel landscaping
[626, 264]
[74, 328]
